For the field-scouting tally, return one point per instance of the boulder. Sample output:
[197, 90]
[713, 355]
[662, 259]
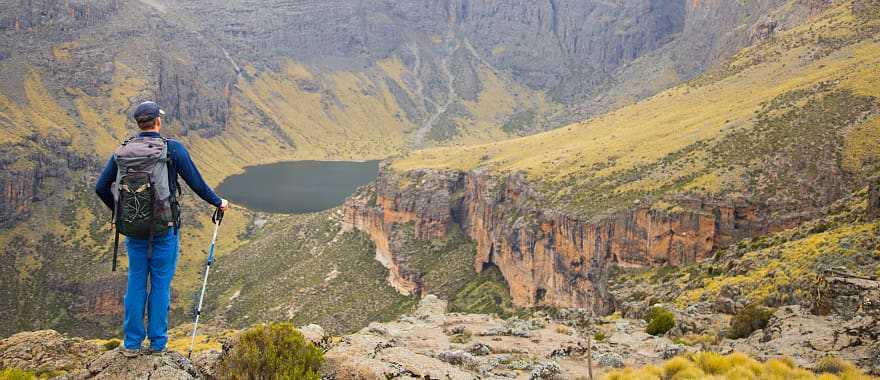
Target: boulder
[547, 370]
[313, 333]
[430, 305]
[849, 296]
[479, 349]
[208, 362]
[610, 359]
[459, 358]
[806, 338]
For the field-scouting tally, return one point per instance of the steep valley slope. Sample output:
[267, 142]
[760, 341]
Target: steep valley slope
[256, 82]
[772, 147]
[758, 145]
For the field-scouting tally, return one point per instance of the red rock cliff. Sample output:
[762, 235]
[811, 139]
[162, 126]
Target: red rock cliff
[547, 257]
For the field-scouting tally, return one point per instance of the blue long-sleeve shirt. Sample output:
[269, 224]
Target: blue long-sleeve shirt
[182, 164]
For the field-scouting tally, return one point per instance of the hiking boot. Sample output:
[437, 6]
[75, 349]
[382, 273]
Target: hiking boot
[153, 351]
[129, 353]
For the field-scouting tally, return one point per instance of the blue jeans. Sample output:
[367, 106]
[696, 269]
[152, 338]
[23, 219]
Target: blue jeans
[160, 270]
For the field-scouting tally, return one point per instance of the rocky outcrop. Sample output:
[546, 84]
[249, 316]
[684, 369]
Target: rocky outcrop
[849, 296]
[46, 351]
[795, 333]
[547, 257]
[113, 365]
[764, 29]
[432, 343]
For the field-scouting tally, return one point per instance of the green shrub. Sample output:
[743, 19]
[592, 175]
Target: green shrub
[659, 321]
[111, 344]
[16, 374]
[275, 351]
[748, 320]
[599, 336]
[461, 337]
[653, 312]
[833, 365]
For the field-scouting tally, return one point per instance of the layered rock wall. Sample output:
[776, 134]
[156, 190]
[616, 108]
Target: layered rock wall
[547, 257]
[18, 189]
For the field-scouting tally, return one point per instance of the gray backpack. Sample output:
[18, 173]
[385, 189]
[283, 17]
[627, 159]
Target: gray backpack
[145, 203]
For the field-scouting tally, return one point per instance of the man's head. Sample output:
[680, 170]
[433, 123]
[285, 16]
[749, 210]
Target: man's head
[148, 116]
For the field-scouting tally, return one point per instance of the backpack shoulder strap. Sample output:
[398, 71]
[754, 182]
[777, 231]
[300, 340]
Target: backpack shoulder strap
[172, 169]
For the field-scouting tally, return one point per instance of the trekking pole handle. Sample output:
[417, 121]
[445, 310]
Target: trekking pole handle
[217, 218]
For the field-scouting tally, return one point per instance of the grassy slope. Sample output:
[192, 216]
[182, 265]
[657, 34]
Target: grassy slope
[316, 274]
[672, 141]
[304, 268]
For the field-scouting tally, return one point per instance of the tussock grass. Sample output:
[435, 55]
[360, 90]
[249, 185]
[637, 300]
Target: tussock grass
[736, 366]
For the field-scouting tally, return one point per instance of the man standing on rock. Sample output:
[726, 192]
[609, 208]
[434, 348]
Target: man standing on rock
[139, 184]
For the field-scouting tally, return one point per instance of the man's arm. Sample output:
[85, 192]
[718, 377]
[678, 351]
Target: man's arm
[103, 186]
[186, 168]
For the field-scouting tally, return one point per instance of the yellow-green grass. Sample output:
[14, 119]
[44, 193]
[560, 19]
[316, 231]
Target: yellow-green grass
[736, 366]
[705, 111]
[785, 267]
[779, 266]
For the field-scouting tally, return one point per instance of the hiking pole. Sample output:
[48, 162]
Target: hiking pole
[217, 218]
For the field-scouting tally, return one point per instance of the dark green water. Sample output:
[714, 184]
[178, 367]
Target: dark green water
[299, 186]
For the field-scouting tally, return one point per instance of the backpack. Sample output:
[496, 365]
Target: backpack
[145, 204]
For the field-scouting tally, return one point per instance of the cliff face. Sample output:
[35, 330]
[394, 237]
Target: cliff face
[17, 192]
[547, 257]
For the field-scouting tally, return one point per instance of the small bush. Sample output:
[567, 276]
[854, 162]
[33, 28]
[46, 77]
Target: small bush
[653, 312]
[749, 320]
[16, 374]
[599, 336]
[461, 338]
[275, 351]
[833, 365]
[111, 344]
[659, 320]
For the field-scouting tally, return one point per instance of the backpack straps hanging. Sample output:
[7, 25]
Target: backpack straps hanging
[115, 220]
[116, 238]
[172, 172]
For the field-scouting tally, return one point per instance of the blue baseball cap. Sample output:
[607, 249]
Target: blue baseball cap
[147, 111]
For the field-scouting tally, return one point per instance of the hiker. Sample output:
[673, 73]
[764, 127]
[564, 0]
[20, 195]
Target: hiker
[146, 211]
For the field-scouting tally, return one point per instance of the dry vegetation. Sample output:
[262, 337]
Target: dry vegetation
[714, 134]
[710, 365]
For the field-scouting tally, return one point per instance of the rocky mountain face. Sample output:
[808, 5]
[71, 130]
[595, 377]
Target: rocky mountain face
[547, 257]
